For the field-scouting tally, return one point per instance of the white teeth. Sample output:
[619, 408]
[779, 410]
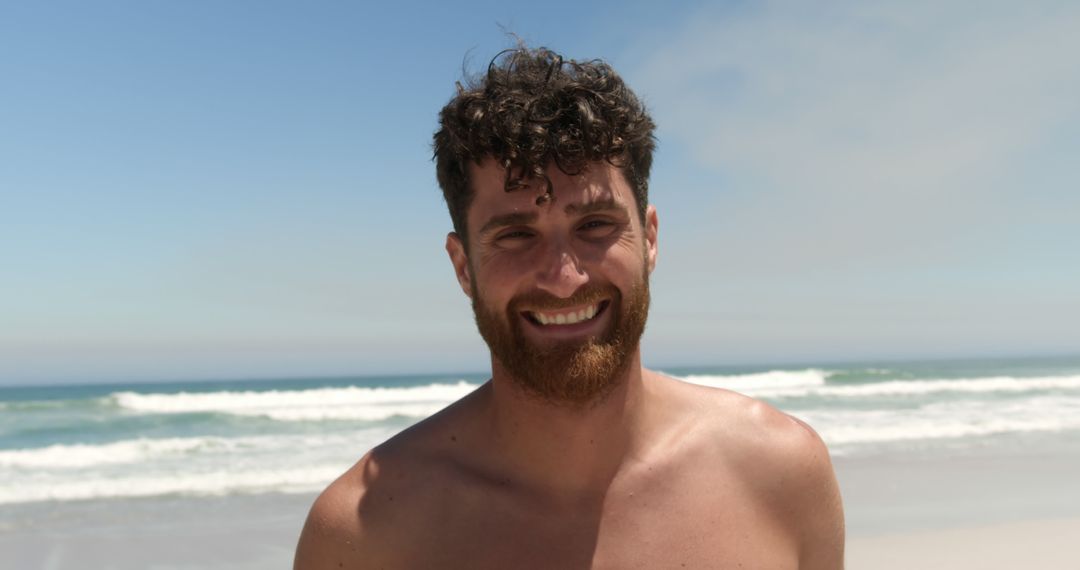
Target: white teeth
[566, 318]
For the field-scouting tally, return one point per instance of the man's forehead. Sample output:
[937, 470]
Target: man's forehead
[599, 183]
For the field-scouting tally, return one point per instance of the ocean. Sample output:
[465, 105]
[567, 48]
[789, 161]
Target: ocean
[113, 442]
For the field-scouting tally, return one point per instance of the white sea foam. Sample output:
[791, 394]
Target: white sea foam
[350, 403]
[146, 452]
[88, 455]
[1017, 406]
[965, 385]
[795, 380]
[943, 420]
[196, 465]
[797, 384]
[221, 482]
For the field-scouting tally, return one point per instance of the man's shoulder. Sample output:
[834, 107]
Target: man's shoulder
[340, 529]
[779, 460]
[366, 516]
[747, 429]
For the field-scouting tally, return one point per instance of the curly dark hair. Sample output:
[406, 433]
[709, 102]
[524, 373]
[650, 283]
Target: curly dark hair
[533, 108]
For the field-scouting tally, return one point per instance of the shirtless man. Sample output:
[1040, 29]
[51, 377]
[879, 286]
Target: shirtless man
[572, 455]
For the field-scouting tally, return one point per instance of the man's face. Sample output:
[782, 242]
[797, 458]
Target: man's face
[560, 290]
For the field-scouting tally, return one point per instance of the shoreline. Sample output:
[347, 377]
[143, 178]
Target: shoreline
[941, 489]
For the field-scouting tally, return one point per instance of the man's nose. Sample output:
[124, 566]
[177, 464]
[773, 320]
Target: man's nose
[562, 274]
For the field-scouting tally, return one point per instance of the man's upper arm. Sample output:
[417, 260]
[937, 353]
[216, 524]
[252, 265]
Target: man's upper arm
[788, 466]
[821, 524]
[330, 533]
[356, 523]
[345, 527]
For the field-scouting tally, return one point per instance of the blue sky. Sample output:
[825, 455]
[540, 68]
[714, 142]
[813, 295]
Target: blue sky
[244, 189]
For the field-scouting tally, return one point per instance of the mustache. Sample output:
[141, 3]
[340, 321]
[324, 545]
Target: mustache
[544, 301]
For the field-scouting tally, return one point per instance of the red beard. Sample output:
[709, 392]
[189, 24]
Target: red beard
[570, 373]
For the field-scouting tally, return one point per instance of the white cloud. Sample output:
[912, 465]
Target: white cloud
[867, 179]
[864, 130]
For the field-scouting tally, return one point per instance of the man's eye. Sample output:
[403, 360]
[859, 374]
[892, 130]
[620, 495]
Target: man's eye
[597, 227]
[514, 235]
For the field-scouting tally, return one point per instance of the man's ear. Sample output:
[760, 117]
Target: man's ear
[651, 228]
[456, 250]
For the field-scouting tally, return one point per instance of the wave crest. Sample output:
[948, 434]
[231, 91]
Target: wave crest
[349, 403]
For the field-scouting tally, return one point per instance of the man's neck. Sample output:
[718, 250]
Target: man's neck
[567, 451]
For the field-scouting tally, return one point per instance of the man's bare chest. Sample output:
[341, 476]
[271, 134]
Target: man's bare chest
[679, 529]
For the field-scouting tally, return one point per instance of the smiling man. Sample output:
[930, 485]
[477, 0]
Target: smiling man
[573, 455]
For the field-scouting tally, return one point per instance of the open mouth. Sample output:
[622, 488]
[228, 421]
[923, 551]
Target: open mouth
[564, 317]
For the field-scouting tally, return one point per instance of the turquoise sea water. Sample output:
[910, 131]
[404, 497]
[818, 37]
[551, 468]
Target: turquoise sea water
[115, 441]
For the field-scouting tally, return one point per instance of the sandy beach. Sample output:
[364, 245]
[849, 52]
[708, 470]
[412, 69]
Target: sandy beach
[1007, 508]
[1050, 544]
[254, 532]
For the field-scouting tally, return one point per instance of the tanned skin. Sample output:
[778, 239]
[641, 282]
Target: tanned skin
[657, 474]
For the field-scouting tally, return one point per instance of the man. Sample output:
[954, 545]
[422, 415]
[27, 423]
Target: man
[573, 455]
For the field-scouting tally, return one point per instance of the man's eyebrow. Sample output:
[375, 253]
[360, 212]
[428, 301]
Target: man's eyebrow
[602, 205]
[511, 219]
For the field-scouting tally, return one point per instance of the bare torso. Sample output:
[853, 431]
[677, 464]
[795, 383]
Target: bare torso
[727, 483]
